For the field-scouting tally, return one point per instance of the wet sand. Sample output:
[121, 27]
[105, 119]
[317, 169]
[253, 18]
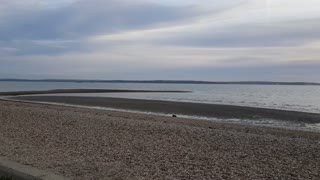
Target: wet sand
[82, 143]
[184, 108]
[67, 91]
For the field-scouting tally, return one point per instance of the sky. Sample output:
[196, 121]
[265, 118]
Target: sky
[230, 40]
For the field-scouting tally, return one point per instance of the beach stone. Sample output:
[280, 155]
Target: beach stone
[84, 143]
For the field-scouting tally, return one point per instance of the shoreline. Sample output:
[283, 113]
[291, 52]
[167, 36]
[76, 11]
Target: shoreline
[180, 108]
[80, 143]
[267, 123]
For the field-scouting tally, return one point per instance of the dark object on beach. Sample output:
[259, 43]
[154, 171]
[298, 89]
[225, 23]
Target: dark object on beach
[173, 115]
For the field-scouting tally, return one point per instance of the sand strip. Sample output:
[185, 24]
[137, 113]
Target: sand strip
[184, 108]
[67, 91]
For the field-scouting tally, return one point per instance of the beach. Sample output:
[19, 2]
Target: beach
[82, 143]
[181, 108]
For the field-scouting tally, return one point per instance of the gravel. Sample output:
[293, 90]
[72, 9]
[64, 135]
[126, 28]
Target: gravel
[81, 143]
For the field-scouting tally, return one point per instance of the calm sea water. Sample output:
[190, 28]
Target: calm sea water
[297, 98]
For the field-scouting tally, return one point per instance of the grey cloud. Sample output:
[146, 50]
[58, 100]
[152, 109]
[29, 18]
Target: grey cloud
[85, 18]
[42, 47]
[48, 42]
[260, 34]
[22, 26]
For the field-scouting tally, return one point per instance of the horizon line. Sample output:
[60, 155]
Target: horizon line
[163, 81]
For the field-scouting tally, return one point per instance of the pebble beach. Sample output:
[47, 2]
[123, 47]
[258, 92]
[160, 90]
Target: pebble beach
[80, 143]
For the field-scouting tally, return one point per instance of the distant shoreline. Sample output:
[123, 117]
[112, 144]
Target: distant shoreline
[165, 82]
[69, 91]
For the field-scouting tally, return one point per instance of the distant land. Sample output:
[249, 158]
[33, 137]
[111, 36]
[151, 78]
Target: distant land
[163, 81]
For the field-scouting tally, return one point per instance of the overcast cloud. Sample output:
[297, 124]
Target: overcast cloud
[173, 39]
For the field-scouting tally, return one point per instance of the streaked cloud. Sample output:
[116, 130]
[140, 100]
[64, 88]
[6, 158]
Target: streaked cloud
[122, 38]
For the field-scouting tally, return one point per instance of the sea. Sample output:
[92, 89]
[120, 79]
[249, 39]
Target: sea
[301, 98]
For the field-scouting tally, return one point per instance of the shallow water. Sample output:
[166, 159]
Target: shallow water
[297, 98]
